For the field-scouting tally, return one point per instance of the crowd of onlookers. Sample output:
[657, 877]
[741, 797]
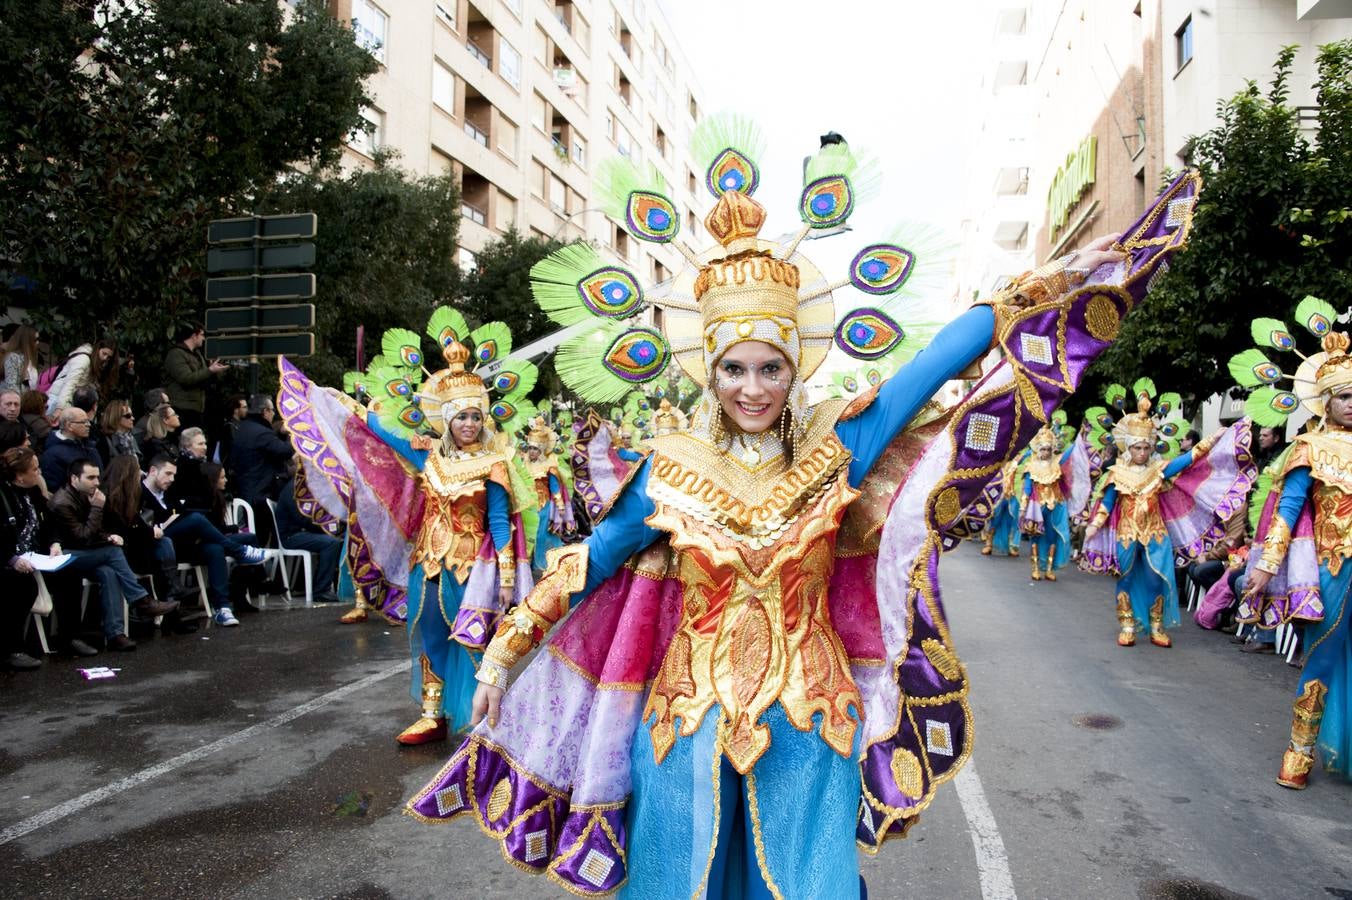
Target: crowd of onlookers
[115, 497]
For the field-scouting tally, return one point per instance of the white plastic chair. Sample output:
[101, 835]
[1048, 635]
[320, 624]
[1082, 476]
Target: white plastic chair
[241, 513]
[302, 555]
[199, 574]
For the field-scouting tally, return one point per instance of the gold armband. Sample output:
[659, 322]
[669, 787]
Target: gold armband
[1101, 517]
[1274, 546]
[507, 567]
[1203, 447]
[493, 674]
[1042, 285]
[527, 624]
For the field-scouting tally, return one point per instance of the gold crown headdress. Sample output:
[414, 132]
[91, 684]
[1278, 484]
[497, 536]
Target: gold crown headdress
[1157, 419]
[541, 436]
[746, 288]
[407, 399]
[1045, 437]
[1318, 375]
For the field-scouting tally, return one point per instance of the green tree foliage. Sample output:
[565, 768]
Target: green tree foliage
[1272, 225]
[125, 127]
[384, 255]
[499, 290]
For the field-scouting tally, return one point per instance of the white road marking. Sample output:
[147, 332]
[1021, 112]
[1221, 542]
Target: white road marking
[84, 801]
[992, 865]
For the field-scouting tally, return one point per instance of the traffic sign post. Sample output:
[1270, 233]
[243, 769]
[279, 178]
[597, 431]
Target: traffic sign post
[243, 250]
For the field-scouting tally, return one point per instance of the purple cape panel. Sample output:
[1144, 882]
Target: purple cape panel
[1293, 593]
[481, 607]
[1030, 522]
[1208, 492]
[597, 471]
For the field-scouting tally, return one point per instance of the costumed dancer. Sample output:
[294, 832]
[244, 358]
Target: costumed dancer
[798, 695]
[431, 481]
[1151, 510]
[1002, 531]
[1054, 489]
[554, 503]
[1298, 568]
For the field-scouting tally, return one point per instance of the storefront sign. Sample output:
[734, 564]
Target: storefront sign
[1071, 181]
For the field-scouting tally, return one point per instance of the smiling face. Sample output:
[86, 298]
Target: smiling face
[465, 427]
[1340, 408]
[752, 382]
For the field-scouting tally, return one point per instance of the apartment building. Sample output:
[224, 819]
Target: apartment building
[1093, 100]
[520, 99]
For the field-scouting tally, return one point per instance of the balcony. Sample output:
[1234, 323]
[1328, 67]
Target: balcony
[476, 135]
[483, 58]
[474, 214]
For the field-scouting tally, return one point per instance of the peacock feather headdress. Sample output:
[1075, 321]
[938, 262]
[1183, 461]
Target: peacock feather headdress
[408, 399]
[745, 288]
[1318, 375]
[1148, 417]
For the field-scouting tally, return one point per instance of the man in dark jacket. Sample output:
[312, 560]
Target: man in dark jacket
[258, 457]
[187, 372]
[71, 441]
[77, 514]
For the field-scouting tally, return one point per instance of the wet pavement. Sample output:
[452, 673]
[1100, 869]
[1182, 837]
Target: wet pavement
[259, 762]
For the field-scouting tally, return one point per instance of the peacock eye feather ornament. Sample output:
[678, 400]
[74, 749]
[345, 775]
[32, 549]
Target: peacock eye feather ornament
[1154, 419]
[1318, 375]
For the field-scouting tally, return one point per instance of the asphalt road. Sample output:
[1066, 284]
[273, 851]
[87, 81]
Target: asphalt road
[259, 762]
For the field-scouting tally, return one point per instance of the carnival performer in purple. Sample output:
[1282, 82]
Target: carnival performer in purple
[757, 679]
[1152, 510]
[1054, 489]
[1305, 535]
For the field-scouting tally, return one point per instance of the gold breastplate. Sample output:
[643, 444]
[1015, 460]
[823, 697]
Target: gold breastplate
[454, 518]
[1329, 456]
[1138, 490]
[1046, 477]
[755, 626]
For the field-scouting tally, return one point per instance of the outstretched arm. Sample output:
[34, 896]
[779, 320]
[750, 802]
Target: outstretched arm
[415, 456]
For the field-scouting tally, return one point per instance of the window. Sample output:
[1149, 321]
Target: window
[579, 151]
[509, 64]
[367, 137]
[441, 163]
[443, 87]
[558, 195]
[660, 53]
[368, 23]
[474, 132]
[624, 142]
[541, 114]
[466, 259]
[660, 139]
[660, 273]
[543, 53]
[539, 178]
[694, 108]
[610, 124]
[619, 239]
[691, 182]
[1183, 42]
[473, 213]
[506, 136]
[446, 13]
[506, 211]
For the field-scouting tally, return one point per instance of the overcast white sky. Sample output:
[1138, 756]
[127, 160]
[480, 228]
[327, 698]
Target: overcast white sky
[890, 75]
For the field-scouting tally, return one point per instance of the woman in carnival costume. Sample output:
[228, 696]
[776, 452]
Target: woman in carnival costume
[1298, 569]
[1151, 510]
[554, 503]
[758, 676]
[1053, 490]
[425, 480]
[1002, 531]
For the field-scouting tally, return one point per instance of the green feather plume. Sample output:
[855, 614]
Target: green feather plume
[1143, 387]
[724, 130]
[524, 498]
[616, 178]
[1170, 404]
[860, 167]
[516, 378]
[1173, 427]
[555, 281]
[390, 383]
[355, 384]
[399, 415]
[1167, 447]
[1270, 407]
[1252, 369]
[523, 411]
[1099, 418]
[581, 361]
[447, 325]
[492, 341]
[1059, 417]
[1115, 395]
[1315, 316]
[402, 348]
[1272, 333]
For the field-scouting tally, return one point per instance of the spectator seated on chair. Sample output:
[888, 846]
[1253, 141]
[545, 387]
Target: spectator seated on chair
[24, 528]
[77, 509]
[297, 532]
[147, 549]
[195, 538]
[12, 434]
[1207, 570]
[191, 491]
[242, 581]
[154, 398]
[33, 414]
[161, 434]
[258, 456]
[71, 441]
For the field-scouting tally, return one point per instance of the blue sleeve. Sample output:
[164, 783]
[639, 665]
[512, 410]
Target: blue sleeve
[1065, 457]
[397, 443]
[622, 533]
[553, 484]
[953, 349]
[1027, 484]
[1178, 464]
[1109, 497]
[628, 455]
[1295, 491]
[499, 516]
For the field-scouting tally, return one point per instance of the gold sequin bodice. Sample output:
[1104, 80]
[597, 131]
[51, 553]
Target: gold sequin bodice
[454, 518]
[1046, 477]
[1138, 503]
[1329, 456]
[755, 627]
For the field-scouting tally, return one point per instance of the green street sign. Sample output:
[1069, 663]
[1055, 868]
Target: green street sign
[261, 318]
[242, 259]
[245, 346]
[246, 288]
[290, 227]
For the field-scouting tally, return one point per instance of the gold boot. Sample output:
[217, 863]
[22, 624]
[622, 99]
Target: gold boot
[1032, 554]
[1298, 759]
[986, 546]
[1126, 621]
[1049, 574]
[1157, 635]
[431, 726]
[356, 614]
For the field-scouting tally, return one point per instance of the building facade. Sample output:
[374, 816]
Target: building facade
[1095, 100]
[520, 99]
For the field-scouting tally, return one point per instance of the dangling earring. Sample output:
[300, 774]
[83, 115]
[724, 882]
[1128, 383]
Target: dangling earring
[784, 424]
